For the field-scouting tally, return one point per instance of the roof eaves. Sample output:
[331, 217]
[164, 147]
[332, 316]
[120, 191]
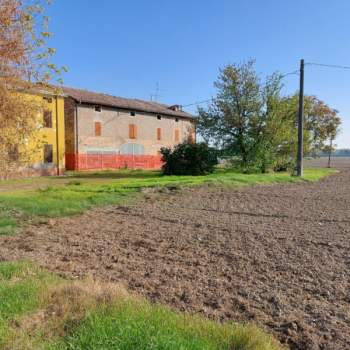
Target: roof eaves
[93, 98]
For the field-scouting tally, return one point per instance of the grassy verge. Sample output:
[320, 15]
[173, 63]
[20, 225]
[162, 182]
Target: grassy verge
[21, 285]
[7, 224]
[40, 311]
[81, 191]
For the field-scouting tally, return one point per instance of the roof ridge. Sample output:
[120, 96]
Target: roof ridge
[102, 98]
[154, 103]
[114, 96]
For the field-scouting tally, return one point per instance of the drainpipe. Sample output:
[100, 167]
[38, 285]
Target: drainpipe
[57, 140]
[76, 155]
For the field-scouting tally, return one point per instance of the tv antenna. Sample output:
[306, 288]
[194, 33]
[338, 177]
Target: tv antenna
[155, 97]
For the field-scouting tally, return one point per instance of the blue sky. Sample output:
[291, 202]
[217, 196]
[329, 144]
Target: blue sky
[125, 47]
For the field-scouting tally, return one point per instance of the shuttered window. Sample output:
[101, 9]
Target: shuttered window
[13, 153]
[159, 134]
[48, 154]
[98, 129]
[177, 135]
[132, 131]
[47, 119]
[192, 136]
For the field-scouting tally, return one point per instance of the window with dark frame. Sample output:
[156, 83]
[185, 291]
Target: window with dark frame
[47, 119]
[98, 109]
[98, 129]
[48, 99]
[13, 153]
[48, 154]
[176, 119]
[133, 113]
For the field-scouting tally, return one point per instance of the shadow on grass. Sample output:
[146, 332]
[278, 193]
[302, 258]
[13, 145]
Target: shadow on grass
[116, 174]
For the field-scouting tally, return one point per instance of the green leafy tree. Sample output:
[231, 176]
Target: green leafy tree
[249, 119]
[322, 123]
[242, 117]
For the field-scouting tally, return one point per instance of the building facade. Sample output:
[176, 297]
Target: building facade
[44, 151]
[51, 159]
[108, 132]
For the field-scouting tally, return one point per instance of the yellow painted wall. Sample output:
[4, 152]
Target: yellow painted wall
[48, 135]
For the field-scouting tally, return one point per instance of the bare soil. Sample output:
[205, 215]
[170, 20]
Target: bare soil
[322, 162]
[275, 255]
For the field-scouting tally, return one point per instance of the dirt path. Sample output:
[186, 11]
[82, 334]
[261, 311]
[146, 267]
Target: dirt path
[276, 255]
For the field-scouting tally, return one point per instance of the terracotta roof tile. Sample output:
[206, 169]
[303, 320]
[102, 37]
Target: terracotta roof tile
[90, 97]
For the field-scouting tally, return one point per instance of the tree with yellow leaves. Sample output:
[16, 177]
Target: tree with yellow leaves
[25, 65]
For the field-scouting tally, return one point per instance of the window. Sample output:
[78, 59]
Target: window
[159, 134]
[132, 131]
[48, 154]
[132, 148]
[176, 119]
[177, 135]
[98, 129]
[47, 119]
[159, 117]
[191, 137]
[48, 99]
[132, 113]
[13, 153]
[98, 109]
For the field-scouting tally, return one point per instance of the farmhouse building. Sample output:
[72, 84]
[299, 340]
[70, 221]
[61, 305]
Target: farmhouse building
[43, 153]
[108, 132]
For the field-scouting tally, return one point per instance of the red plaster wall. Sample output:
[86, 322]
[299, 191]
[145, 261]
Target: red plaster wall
[106, 161]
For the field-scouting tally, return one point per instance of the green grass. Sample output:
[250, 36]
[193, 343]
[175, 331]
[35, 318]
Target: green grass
[7, 225]
[120, 323]
[18, 288]
[90, 315]
[21, 284]
[81, 191]
[132, 326]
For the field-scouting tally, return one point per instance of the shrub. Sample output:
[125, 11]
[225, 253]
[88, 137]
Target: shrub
[283, 164]
[189, 159]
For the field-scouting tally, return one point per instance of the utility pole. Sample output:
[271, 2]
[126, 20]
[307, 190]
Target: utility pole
[300, 121]
[330, 152]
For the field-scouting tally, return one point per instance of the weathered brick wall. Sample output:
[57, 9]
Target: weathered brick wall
[115, 130]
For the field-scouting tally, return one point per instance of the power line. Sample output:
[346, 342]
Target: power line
[327, 65]
[294, 72]
[197, 103]
[209, 100]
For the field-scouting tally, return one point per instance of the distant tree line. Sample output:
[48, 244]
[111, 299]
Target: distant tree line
[250, 121]
[344, 152]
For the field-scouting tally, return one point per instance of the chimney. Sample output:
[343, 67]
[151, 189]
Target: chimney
[176, 108]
